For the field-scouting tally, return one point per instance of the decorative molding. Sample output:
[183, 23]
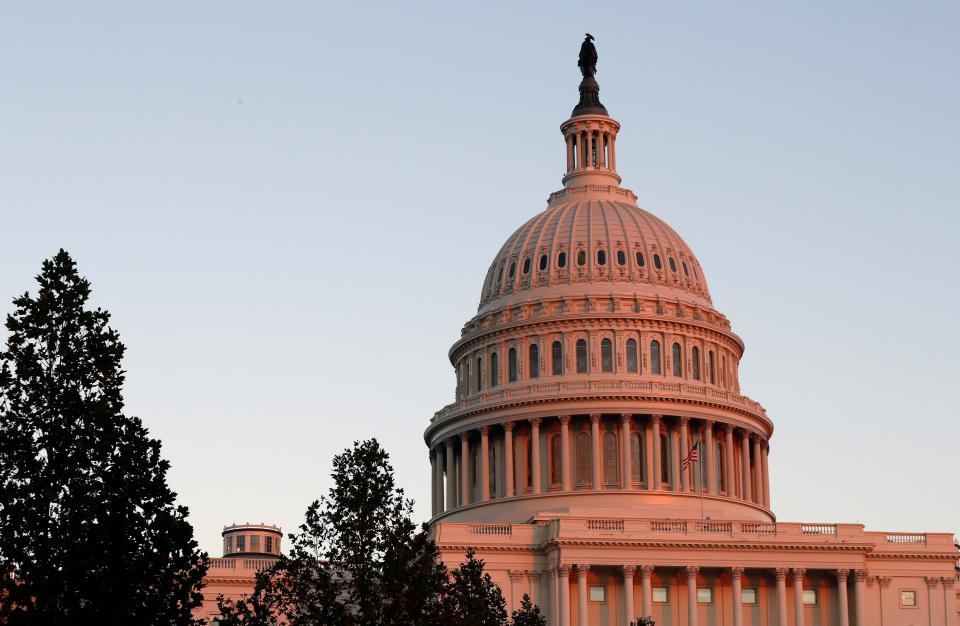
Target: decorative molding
[736, 572]
[841, 575]
[781, 573]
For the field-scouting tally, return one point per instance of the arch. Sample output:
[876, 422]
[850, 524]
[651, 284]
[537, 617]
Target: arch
[534, 361]
[556, 458]
[513, 269]
[621, 257]
[664, 459]
[494, 374]
[512, 365]
[611, 459]
[562, 260]
[637, 457]
[581, 356]
[526, 265]
[640, 260]
[601, 257]
[655, 357]
[696, 362]
[606, 355]
[686, 272]
[673, 264]
[677, 360]
[632, 356]
[556, 358]
[656, 262]
[581, 257]
[479, 378]
[543, 262]
[583, 458]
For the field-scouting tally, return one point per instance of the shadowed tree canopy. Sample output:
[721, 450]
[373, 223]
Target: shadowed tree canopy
[89, 529]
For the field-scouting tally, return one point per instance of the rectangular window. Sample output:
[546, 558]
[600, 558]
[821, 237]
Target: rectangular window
[226, 545]
[810, 596]
[908, 598]
[598, 594]
[660, 595]
[704, 595]
[748, 595]
[268, 544]
[255, 543]
[240, 543]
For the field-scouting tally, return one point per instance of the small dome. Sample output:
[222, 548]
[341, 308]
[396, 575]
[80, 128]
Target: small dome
[597, 247]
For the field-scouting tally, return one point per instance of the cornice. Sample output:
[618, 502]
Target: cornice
[712, 546]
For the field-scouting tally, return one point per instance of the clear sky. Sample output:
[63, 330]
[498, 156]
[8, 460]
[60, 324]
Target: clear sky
[289, 208]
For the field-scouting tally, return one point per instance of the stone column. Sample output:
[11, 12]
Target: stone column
[626, 450]
[515, 577]
[552, 596]
[628, 571]
[464, 469]
[684, 449]
[433, 482]
[655, 442]
[535, 453]
[859, 598]
[613, 152]
[569, 152]
[675, 457]
[757, 469]
[711, 486]
[485, 463]
[595, 453]
[451, 500]
[646, 573]
[842, 596]
[588, 136]
[949, 600]
[798, 595]
[508, 457]
[533, 582]
[582, 594]
[766, 474]
[563, 583]
[692, 595]
[782, 596]
[565, 445]
[728, 448]
[735, 574]
[747, 492]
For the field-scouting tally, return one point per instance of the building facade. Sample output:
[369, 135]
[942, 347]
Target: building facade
[600, 455]
[247, 548]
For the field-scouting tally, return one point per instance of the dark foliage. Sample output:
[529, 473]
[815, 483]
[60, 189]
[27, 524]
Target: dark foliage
[643, 621]
[528, 615]
[471, 598]
[89, 532]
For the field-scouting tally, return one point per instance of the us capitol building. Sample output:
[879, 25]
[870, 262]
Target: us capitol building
[600, 455]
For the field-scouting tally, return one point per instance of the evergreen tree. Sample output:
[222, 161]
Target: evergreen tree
[528, 615]
[89, 529]
[471, 598]
[643, 621]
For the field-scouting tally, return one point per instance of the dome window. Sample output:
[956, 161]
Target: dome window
[695, 362]
[685, 271]
[494, 370]
[562, 259]
[556, 358]
[631, 356]
[581, 257]
[640, 261]
[654, 357]
[513, 270]
[500, 274]
[621, 257]
[606, 355]
[526, 265]
[656, 262]
[673, 265]
[512, 365]
[581, 356]
[601, 257]
[534, 361]
[543, 262]
[677, 360]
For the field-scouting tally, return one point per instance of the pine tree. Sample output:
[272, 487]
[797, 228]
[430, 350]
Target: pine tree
[471, 598]
[528, 615]
[89, 529]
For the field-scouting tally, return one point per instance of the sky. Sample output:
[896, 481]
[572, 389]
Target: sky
[289, 209]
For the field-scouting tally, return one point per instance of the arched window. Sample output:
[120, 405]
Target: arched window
[500, 274]
[513, 269]
[637, 457]
[656, 262]
[631, 356]
[696, 362]
[543, 262]
[526, 265]
[677, 360]
[640, 261]
[664, 459]
[621, 257]
[494, 374]
[562, 259]
[713, 379]
[611, 465]
[583, 459]
[556, 457]
[606, 355]
[673, 265]
[479, 369]
[534, 361]
[512, 365]
[721, 476]
[581, 356]
[582, 257]
[655, 357]
[686, 272]
[556, 358]
[492, 460]
[601, 257]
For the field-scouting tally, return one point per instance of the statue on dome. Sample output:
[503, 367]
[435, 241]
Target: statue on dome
[588, 57]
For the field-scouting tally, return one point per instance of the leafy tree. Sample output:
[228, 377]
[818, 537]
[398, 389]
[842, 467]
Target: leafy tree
[528, 615]
[471, 598]
[89, 529]
[643, 621]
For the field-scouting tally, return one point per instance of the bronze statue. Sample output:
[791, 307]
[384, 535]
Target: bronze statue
[588, 57]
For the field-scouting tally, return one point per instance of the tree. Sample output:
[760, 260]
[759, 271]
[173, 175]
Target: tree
[528, 615]
[471, 598]
[89, 529]
[643, 621]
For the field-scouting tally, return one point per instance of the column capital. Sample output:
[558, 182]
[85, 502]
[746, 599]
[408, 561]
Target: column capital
[508, 426]
[842, 575]
[684, 420]
[754, 437]
[449, 442]
[860, 574]
[691, 571]
[884, 581]
[646, 570]
[594, 418]
[515, 575]
[563, 569]
[564, 419]
[626, 418]
[709, 423]
[932, 581]
[656, 418]
[781, 573]
[582, 569]
[629, 570]
[535, 421]
[736, 572]
[533, 574]
[798, 572]
[484, 430]
[947, 581]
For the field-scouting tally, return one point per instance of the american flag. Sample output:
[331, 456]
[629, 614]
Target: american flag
[692, 457]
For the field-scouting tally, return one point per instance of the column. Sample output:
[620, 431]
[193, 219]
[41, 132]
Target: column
[508, 457]
[782, 596]
[655, 473]
[646, 573]
[565, 445]
[735, 575]
[535, 452]
[515, 576]
[433, 483]
[569, 141]
[464, 469]
[766, 474]
[552, 593]
[485, 463]
[859, 598]
[692, 595]
[684, 449]
[949, 600]
[613, 151]
[563, 584]
[745, 468]
[932, 603]
[582, 594]
[588, 137]
[533, 583]
[711, 486]
[842, 596]
[628, 571]
[627, 481]
[595, 441]
[757, 469]
[798, 595]
[675, 456]
[451, 476]
[728, 448]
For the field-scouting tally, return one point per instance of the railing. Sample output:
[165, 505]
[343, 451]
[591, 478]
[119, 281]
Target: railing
[818, 529]
[491, 529]
[725, 528]
[668, 526]
[258, 564]
[759, 528]
[608, 525]
[906, 537]
[223, 563]
[255, 564]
